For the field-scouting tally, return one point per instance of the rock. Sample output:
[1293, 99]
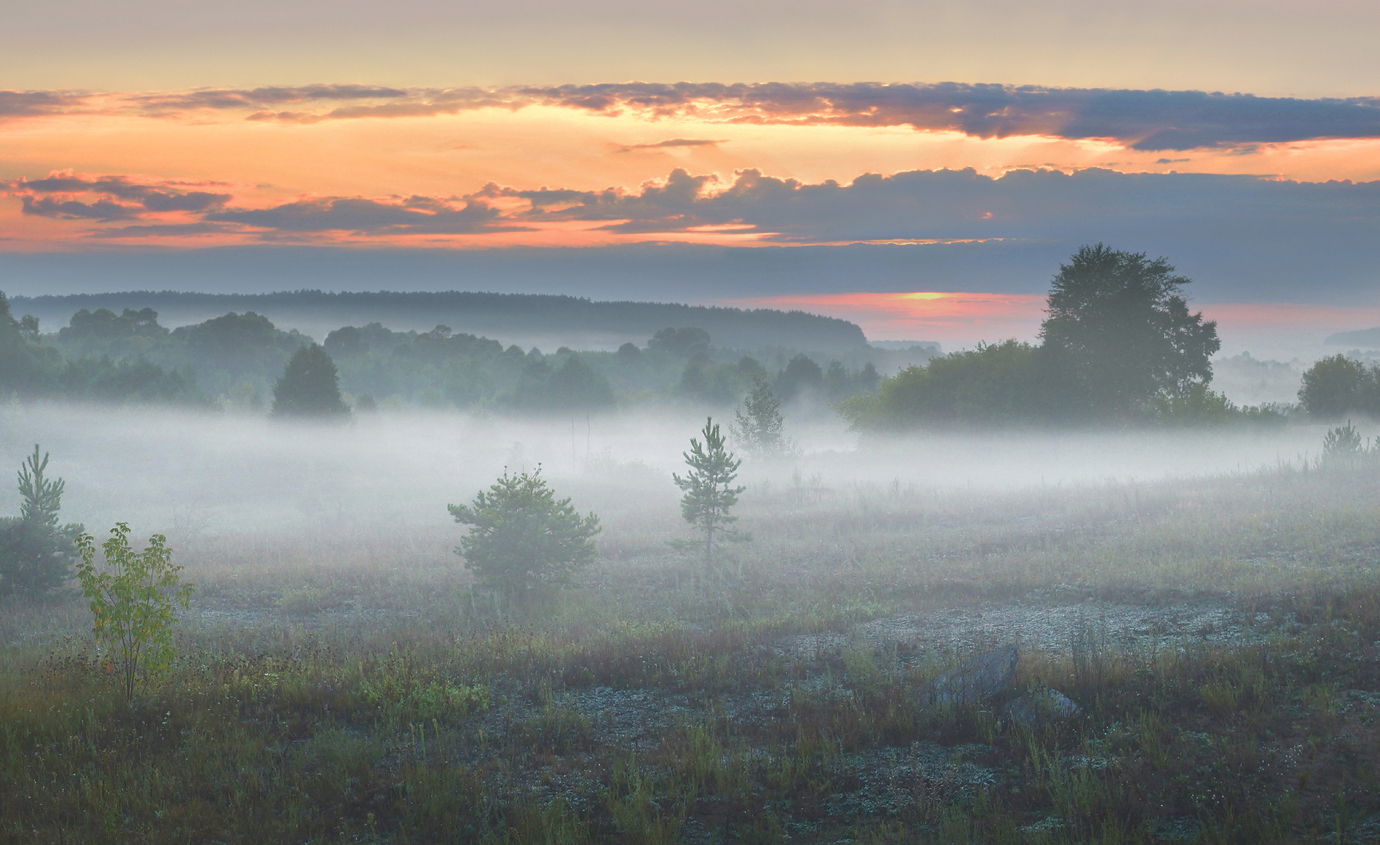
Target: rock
[978, 679]
[1037, 707]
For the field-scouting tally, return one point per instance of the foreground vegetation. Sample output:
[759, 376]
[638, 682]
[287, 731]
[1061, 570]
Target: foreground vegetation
[1219, 637]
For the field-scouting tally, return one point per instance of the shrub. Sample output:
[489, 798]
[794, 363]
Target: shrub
[132, 603]
[522, 540]
[35, 554]
[1343, 447]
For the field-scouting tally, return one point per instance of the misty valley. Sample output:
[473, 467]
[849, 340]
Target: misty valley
[690, 575]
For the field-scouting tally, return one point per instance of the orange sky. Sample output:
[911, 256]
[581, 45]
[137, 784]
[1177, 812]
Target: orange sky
[264, 163]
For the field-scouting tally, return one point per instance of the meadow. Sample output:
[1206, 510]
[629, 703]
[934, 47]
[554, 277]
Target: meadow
[1210, 604]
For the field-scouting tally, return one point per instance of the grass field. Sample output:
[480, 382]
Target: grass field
[1220, 634]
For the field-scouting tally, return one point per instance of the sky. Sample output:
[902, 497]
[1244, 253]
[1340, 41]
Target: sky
[922, 167]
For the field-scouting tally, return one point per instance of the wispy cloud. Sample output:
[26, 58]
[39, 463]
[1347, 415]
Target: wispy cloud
[1142, 120]
[671, 144]
[368, 217]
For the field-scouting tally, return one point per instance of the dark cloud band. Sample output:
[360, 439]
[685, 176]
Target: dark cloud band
[1143, 120]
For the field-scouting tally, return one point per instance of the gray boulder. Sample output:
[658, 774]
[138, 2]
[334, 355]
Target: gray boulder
[976, 680]
[1039, 707]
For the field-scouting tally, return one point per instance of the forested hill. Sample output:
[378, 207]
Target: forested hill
[1365, 338]
[526, 319]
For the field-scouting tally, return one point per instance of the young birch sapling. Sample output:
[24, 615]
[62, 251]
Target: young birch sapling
[757, 423]
[132, 602]
[709, 491]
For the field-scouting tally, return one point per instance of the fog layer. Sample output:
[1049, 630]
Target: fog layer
[193, 473]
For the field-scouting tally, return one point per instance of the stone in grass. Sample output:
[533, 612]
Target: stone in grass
[1037, 707]
[976, 680]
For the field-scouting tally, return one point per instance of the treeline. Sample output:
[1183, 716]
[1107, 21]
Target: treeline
[238, 358]
[578, 321]
[29, 369]
[441, 368]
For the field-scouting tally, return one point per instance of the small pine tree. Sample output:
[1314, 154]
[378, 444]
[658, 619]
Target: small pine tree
[35, 553]
[1343, 447]
[310, 387]
[709, 490]
[757, 423]
[523, 541]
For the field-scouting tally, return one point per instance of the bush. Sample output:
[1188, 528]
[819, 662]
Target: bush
[1343, 447]
[522, 541]
[1008, 383]
[36, 554]
[132, 603]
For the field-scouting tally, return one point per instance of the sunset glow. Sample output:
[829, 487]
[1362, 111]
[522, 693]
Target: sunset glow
[413, 160]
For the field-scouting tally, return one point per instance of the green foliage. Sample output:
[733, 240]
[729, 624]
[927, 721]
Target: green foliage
[26, 368]
[1009, 383]
[132, 603]
[310, 387]
[104, 333]
[522, 541]
[709, 492]
[802, 377]
[717, 384]
[125, 382]
[35, 553]
[1123, 331]
[1118, 344]
[1338, 385]
[757, 423]
[574, 386]
[1343, 447]
[1202, 406]
[682, 343]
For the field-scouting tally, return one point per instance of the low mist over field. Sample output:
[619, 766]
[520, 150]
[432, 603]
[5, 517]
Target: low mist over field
[176, 472]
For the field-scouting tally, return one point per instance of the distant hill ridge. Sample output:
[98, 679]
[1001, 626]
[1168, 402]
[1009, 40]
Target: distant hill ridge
[508, 317]
[1363, 337]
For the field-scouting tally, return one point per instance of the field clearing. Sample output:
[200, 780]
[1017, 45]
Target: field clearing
[340, 678]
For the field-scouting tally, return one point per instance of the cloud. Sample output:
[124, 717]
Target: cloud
[1247, 217]
[238, 98]
[56, 195]
[673, 142]
[949, 205]
[103, 210]
[1143, 120]
[165, 230]
[15, 104]
[412, 216]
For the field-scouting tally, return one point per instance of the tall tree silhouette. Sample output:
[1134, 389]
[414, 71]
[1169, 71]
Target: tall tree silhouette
[310, 387]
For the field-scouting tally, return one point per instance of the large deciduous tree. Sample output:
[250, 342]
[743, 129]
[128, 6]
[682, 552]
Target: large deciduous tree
[1118, 323]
